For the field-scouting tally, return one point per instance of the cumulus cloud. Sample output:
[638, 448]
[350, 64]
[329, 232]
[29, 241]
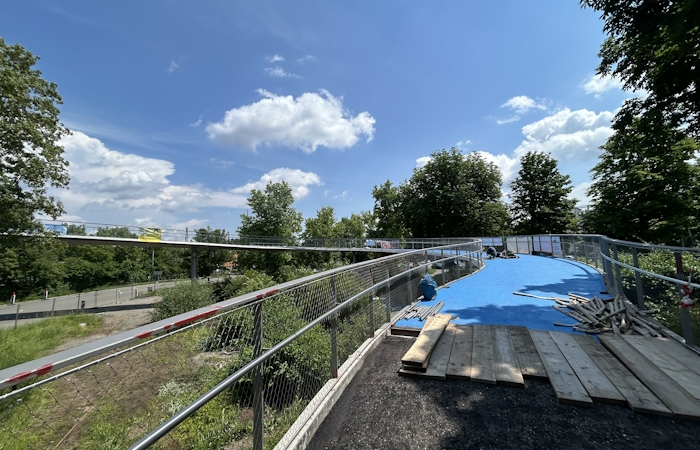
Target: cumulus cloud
[509, 166]
[422, 161]
[279, 73]
[522, 104]
[579, 194]
[172, 67]
[598, 84]
[103, 179]
[568, 135]
[274, 58]
[306, 122]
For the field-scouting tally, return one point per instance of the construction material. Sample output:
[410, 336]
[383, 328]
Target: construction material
[482, 355]
[460, 364]
[437, 367]
[537, 296]
[418, 356]
[528, 358]
[674, 348]
[505, 361]
[423, 312]
[597, 385]
[677, 399]
[596, 316]
[567, 386]
[638, 397]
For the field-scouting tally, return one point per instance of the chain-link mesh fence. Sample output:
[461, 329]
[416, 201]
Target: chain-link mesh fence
[115, 398]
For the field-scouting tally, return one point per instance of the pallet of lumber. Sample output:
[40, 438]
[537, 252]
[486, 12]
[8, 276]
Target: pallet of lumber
[613, 316]
[418, 356]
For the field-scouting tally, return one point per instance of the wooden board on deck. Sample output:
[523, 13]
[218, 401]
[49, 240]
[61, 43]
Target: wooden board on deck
[528, 358]
[460, 364]
[482, 355]
[689, 358]
[505, 361]
[639, 398]
[567, 386]
[597, 384]
[419, 354]
[686, 378]
[677, 399]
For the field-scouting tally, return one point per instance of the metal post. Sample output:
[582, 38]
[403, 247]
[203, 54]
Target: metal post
[638, 279]
[617, 271]
[334, 332]
[258, 400]
[573, 244]
[425, 256]
[685, 315]
[442, 264]
[411, 298]
[193, 264]
[53, 306]
[78, 300]
[388, 294]
[607, 265]
[371, 306]
[17, 315]
[95, 299]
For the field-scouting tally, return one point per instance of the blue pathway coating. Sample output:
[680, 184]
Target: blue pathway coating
[487, 296]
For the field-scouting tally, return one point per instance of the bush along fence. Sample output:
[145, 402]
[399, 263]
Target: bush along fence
[242, 371]
[659, 278]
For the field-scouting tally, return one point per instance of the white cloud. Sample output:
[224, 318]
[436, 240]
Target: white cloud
[514, 118]
[342, 195]
[171, 68]
[108, 180]
[144, 220]
[298, 180]
[306, 58]
[579, 193]
[597, 84]
[522, 104]
[461, 145]
[509, 166]
[422, 161]
[197, 123]
[279, 72]
[309, 121]
[274, 58]
[568, 135]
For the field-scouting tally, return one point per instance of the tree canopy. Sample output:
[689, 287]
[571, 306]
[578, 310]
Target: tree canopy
[539, 194]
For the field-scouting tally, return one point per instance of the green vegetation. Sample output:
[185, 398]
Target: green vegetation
[31, 341]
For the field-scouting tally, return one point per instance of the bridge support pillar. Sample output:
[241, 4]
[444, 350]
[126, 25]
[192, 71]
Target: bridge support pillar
[194, 264]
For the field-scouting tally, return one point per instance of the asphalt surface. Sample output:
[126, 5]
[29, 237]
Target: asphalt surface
[380, 410]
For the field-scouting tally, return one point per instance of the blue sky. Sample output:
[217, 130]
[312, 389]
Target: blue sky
[180, 108]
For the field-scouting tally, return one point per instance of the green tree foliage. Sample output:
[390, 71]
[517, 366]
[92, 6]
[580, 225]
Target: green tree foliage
[540, 203]
[30, 156]
[272, 215]
[645, 188]
[653, 45]
[209, 260]
[454, 195]
[388, 217]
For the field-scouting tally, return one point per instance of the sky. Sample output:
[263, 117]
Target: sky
[178, 109]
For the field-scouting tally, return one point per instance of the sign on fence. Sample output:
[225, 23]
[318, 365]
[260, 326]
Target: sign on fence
[149, 234]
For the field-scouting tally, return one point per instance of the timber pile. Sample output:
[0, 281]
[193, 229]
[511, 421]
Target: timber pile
[418, 356]
[423, 312]
[616, 316]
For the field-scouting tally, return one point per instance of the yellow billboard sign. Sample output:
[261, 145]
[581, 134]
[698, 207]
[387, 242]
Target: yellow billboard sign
[149, 234]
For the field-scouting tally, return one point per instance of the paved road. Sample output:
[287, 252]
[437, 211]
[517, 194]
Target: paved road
[92, 299]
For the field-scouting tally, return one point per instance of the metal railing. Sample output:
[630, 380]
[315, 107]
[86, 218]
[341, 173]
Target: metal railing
[240, 371]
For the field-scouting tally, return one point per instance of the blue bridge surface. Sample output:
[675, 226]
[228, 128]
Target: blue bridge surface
[487, 296]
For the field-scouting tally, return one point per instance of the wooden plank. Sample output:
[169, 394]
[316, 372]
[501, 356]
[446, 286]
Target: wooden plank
[482, 355]
[419, 353]
[567, 386]
[598, 386]
[437, 368]
[460, 365]
[674, 348]
[686, 378]
[505, 361]
[678, 400]
[528, 358]
[639, 398]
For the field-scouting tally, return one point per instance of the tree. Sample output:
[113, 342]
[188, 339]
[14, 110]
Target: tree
[645, 188]
[208, 260]
[387, 211]
[323, 226]
[454, 195]
[272, 215]
[30, 155]
[539, 196]
[653, 45]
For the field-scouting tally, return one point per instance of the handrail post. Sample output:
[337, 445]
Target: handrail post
[685, 314]
[607, 265]
[638, 279]
[334, 331]
[371, 306]
[442, 264]
[617, 272]
[258, 400]
[411, 298]
[388, 293]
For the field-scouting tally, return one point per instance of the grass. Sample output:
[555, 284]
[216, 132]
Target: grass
[31, 341]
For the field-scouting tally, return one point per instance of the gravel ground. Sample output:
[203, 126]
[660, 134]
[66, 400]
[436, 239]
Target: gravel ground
[380, 410]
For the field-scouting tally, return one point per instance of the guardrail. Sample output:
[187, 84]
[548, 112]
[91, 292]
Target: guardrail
[248, 366]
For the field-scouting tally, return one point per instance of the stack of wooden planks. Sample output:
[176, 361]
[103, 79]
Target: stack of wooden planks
[616, 316]
[423, 312]
[417, 359]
